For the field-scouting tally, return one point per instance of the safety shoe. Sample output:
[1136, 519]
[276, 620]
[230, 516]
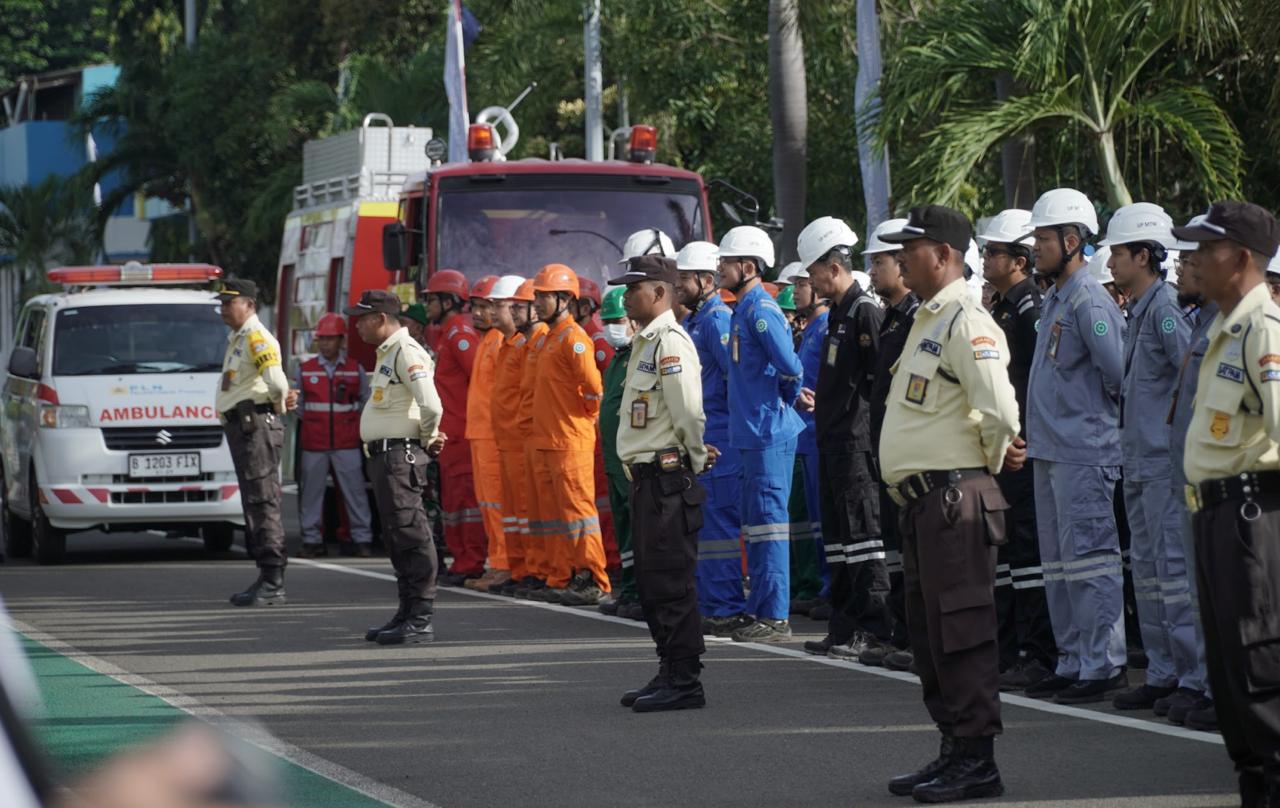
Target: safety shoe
[268, 590]
[655, 684]
[1092, 690]
[1142, 697]
[680, 690]
[312, 550]
[971, 774]
[901, 661]
[725, 626]
[1204, 719]
[581, 592]
[372, 634]
[410, 630]
[1179, 697]
[1050, 686]
[764, 630]
[819, 647]
[482, 583]
[903, 784]
[874, 652]
[851, 649]
[529, 585]
[453, 579]
[821, 611]
[631, 610]
[1023, 675]
[607, 604]
[1178, 710]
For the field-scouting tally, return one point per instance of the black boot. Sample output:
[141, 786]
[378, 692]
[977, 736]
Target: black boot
[1253, 789]
[680, 691]
[903, 784]
[415, 628]
[268, 590]
[655, 684]
[971, 774]
[401, 613]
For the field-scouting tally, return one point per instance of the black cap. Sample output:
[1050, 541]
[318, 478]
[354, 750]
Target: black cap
[1242, 222]
[936, 222]
[648, 268]
[373, 301]
[237, 287]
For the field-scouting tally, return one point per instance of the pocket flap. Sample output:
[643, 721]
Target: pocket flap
[694, 495]
[966, 597]
[993, 499]
[642, 380]
[1225, 397]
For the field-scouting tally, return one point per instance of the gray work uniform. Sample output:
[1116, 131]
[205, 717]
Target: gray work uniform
[1072, 412]
[347, 466]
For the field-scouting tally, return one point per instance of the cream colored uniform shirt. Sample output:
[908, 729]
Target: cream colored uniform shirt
[251, 369]
[1235, 421]
[662, 396]
[951, 405]
[403, 402]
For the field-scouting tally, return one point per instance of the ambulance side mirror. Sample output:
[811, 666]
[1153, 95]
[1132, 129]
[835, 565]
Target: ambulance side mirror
[395, 246]
[23, 364]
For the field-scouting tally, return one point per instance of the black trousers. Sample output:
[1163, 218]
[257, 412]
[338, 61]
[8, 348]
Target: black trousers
[1238, 574]
[398, 477]
[1022, 611]
[950, 573]
[256, 455]
[897, 600]
[666, 514]
[850, 494]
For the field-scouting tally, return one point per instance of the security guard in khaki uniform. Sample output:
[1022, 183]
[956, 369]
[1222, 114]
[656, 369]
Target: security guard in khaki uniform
[1233, 470]
[400, 428]
[660, 446]
[253, 393]
[951, 422]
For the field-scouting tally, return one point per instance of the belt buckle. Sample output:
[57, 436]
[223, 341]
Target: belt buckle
[1192, 495]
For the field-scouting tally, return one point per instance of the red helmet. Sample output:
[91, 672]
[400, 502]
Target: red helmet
[589, 291]
[556, 278]
[448, 282]
[484, 286]
[331, 325]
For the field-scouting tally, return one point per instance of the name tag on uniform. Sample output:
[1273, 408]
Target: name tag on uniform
[1055, 334]
[916, 388]
[832, 349]
[639, 413]
[1230, 372]
[735, 347]
[930, 346]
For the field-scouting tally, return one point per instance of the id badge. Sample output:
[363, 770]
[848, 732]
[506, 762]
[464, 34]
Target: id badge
[735, 348]
[917, 386]
[832, 350]
[226, 379]
[639, 413]
[1055, 334]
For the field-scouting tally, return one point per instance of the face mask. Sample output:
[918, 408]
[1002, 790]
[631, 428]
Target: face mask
[616, 334]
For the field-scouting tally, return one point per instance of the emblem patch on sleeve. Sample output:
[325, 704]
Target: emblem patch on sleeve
[989, 353]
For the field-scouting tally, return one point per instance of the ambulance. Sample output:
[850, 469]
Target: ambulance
[108, 418]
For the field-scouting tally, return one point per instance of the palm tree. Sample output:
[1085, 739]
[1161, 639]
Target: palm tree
[788, 110]
[1098, 66]
[46, 224]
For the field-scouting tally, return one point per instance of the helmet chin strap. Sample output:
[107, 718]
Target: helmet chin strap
[1061, 267]
[745, 280]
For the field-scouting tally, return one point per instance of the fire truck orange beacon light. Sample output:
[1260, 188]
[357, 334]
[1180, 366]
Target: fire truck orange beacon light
[644, 143]
[480, 141]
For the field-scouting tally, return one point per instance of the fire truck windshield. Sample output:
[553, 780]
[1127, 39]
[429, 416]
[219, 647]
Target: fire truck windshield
[499, 230]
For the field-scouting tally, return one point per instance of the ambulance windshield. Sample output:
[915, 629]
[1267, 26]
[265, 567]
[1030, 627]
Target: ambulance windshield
[140, 338]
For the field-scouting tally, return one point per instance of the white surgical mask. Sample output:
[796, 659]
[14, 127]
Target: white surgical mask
[616, 334]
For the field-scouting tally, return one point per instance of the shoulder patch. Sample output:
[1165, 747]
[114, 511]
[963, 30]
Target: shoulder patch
[669, 360]
[670, 370]
[1270, 375]
[978, 342]
[724, 338]
[1100, 328]
[989, 353]
[762, 326]
[1269, 359]
[930, 346]
[463, 345]
[578, 348]
[600, 355]
[1167, 325]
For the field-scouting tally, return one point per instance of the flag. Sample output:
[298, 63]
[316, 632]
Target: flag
[455, 81]
[873, 162]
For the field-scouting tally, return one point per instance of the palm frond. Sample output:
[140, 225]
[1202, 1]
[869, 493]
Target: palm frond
[1193, 119]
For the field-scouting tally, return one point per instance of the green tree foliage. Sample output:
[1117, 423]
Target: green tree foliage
[46, 224]
[41, 35]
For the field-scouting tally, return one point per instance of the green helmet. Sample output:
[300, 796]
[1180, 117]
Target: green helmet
[416, 312]
[787, 298]
[611, 308]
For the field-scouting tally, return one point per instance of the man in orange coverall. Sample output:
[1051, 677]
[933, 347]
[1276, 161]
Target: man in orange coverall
[541, 513]
[566, 400]
[486, 467]
[445, 294]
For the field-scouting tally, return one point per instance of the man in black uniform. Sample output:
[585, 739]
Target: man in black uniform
[1028, 652]
[849, 489]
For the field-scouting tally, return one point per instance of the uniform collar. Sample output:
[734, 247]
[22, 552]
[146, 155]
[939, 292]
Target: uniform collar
[950, 293]
[1076, 279]
[660, 323]
[1137, 307]
[851, 296]
[335, 364]
[252, 324]
[753, 294]
[822, 316]
[397, 337]
[563, 325]
[904, 306]
[1234, 324]
[1018, 291]
[517, 338]
[707, 306]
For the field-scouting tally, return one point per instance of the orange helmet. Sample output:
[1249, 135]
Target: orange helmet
[727, 296]
[331, 325]
[525, 292]
[448, 282]
[772, 289]
[556, 278]
[589, 290]
[484, 286]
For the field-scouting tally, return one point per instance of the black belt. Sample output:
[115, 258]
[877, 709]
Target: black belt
[231, 416]
[640, 471]
[383, 445]
[1247, 487]
[917, 485]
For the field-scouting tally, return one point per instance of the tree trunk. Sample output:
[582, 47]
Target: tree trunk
[788, 111]
[1117, 189]
[1017, 157]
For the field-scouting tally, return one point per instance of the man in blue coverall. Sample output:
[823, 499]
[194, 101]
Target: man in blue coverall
[811, 310]
[764, 382]
[721, 599]
[1072, 434]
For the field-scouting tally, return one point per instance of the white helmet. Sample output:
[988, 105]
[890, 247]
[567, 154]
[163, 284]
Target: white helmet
[875, 245]
[864, 280]
[972, 259]
[1141, 221]
[1010, 226]
[821, 236]
[745, 241]
[1170, 267]
[650, 241]
[790, 272]
[976, 284]
[1273, 266]
[1097, 266]
[697, 256]
[505, 288]
[1063, 206]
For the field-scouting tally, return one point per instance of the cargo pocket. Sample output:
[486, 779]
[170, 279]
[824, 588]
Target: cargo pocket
[968, 617]
[694, 497]
[1261, 640]
[994, 506]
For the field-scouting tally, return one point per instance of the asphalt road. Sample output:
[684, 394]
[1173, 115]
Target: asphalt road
[516, 703]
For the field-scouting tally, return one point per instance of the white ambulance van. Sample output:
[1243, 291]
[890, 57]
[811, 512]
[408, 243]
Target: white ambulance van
[108, 418]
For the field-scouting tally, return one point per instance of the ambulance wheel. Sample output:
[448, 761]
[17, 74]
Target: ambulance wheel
[49, 543]
[17, 531]
[218, 536]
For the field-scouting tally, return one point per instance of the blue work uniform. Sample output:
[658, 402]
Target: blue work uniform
[1179, 419]
[1155, 345]
[810, 530]
[719, 577]
[764, 381]
[1072, 434]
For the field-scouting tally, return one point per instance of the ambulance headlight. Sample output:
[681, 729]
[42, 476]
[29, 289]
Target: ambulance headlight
[64, 416]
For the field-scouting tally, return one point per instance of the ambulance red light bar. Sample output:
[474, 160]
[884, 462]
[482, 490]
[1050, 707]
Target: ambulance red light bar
[644, 143]
[480, 142]
[134, 274]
